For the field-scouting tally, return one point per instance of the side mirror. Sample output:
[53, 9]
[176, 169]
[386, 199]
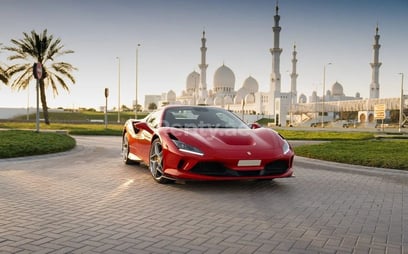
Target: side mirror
[255, 126]
[137, 126]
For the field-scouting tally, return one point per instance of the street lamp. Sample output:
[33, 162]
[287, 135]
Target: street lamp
[118, 89]
[324, 88]
[401, 102]
[137, 77]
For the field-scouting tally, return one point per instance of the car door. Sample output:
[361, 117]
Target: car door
[145, 135]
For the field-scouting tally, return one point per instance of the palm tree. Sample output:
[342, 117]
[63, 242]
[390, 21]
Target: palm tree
[39, 48]
[3, 74]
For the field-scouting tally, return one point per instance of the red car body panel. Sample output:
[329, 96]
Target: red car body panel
[226, 154]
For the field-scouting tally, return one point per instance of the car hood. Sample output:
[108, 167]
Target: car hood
[261, 138]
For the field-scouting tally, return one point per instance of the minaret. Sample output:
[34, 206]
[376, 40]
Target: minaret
[293, 77]
[203, 69]
[276, 51]
[375, 85]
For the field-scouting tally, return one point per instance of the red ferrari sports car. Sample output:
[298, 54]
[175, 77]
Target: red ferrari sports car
[205, 143]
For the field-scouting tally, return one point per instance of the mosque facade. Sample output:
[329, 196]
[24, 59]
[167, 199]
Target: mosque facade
[286, 108]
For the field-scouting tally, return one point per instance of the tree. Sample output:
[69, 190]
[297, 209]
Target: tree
[152, 106]
[39, 48]
[124, 108]
[138, 108]
[3, 74]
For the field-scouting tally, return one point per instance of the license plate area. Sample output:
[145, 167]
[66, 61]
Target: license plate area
[246, 163]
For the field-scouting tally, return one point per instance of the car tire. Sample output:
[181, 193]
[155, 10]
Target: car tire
[156, 162]
[125, 151]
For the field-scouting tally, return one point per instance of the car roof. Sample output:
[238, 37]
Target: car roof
[188, 106]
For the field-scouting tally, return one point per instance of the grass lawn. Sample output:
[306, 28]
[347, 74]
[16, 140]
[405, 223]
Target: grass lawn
[360, 148]
[373, 153]
[17, 143]
[324, 135]
[73, 129]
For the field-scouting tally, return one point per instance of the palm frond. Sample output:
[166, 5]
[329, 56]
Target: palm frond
[56, 78]
[65, 69]
[43, 48]
[22, 81]
[3, 75]
[3, 78]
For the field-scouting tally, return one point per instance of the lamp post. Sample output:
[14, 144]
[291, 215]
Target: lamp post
[106, 107]
[324, 88]
[118, 89]
[401, 102]
[137, 77]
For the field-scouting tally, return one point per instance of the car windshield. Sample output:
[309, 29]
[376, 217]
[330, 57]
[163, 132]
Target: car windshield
[201, 117]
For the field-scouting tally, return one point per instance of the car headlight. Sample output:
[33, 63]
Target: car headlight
[285, 147]
[187, 148]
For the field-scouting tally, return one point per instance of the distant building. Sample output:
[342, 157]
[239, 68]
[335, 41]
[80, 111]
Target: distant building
[152, 99]
[284, 107]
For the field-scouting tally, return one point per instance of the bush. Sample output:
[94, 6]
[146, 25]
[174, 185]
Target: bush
[17, 143]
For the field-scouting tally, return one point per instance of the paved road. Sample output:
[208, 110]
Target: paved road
[87, 201]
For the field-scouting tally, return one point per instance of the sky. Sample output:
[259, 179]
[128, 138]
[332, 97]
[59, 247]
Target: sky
[239, 34]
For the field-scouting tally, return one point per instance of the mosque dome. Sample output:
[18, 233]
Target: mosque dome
[209, 101]
[242, 92]
[218, 101]
[171, 96]
[250, 98]
[228, 100]
[251, 85]
[337, 89]
[224, 79]
[302, 98]
[238, 99]
[193, 80]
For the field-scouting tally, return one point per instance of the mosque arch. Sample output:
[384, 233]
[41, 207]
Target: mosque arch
[371, 118]
[363, 118]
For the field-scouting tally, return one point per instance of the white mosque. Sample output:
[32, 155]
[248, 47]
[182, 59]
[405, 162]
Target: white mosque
[286, 108]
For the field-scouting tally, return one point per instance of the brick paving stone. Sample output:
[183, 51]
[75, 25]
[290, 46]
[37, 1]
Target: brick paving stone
[84, 249]
[96, 204]
[197, 248]
[138, 251]
[9, 249]
[177, 249]
[213, 251]
[103, 248]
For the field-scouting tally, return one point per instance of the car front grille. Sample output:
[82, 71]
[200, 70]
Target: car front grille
[276, 168]
[218, 169]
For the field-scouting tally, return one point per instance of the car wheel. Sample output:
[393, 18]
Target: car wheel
[156, 162]
[125, 151]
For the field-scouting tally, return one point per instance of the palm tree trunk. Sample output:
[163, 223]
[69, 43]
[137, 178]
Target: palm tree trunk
[44, 102]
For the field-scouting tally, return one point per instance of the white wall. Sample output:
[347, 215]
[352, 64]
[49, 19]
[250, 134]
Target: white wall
[6, 113]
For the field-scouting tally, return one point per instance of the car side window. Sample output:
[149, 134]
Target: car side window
[153, 120]
[227, 120]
